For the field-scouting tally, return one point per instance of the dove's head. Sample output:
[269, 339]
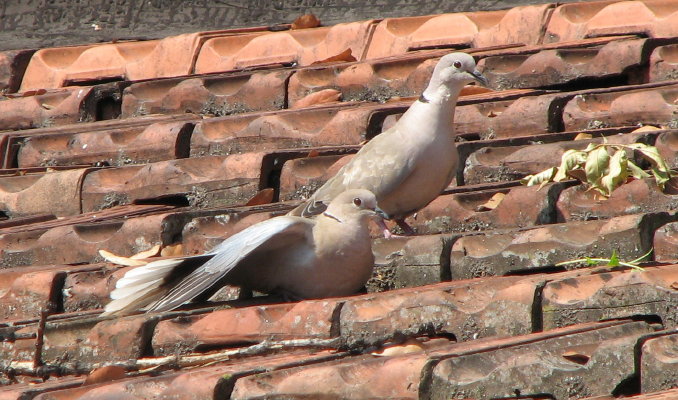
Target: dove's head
[354, 204]
[459, 69]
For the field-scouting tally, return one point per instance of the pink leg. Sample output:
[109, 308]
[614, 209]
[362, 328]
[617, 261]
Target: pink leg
[401, 223]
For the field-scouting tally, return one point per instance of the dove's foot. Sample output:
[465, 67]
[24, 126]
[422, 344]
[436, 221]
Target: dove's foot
[405, 227]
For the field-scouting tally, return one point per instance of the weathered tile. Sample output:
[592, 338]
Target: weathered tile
[80, 242]
[55, 192]
[665, 243]
[64, 66]
[25, 292]
[202, 182]
[41, 109]
[12, 66]
[611, 295]
[566, 366]
[357, 377]
[560, 66]
[343, 124]
[500, 253]
[215, 95]
[619, 108]
[410, 261]
[190, 384]
[293, 47]
[491, 208]
[128, 145]
[650, 18]
[464, 309]
[96, 340]
[373, 79]
[472, 29]
[659, 363]
[311, 319]
[634, 197]
[664, 63]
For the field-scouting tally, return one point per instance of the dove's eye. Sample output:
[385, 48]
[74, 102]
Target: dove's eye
[457, 64]
[357, 201]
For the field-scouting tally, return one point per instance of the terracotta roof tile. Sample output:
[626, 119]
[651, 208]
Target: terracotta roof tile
[663, 63]
[12, 66]
[658, 368]
[293, 47]
[226, 129]
[472, 29]
[129, 145]
[653, 18]
[217, 95]
[565, 366]
[499, 253]
[609, 295]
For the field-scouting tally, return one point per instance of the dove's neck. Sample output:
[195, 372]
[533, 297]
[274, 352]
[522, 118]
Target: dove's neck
[434, 109]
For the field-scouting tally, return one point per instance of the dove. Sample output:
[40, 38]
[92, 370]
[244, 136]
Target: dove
[410, 164]
[296, 257]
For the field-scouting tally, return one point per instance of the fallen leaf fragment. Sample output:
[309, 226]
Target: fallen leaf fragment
[576, 357]
[105, 374]
[125, 261]
[264, 196]
[583, 136]
[646, 128]
[492, 203]
[320, 97]
[152, 252]
[674, 285]
[306, 21]
[409, 346]
[344, 56]
[174, 250]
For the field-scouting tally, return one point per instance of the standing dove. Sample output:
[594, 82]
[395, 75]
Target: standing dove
[297, 257]
[410, 164]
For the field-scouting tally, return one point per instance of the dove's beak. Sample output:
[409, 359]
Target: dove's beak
[380, 213]
[480, 78]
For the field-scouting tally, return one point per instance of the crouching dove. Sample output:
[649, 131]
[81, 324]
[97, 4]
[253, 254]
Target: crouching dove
[410, 164]
[297, 257]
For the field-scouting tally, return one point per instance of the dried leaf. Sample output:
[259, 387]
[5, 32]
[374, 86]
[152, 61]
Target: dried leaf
[174, 250]
[492, 203]
[492, 114]
[571, 160]
[320, 97]
[344, 56]
[313, 153]
[47, 106]
[583, 136]
[596, 165]
[541, 178]
[125, 261]
[264, 196]
[105, 374]
[617, 172]
[152, 252]
[576, 357]
[646, 128]
[674, 285]
[409, 346]
[306, 21]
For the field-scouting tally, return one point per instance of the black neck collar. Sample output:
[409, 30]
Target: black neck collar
[328, 215]
[423, 99]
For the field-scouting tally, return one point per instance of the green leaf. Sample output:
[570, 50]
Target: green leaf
[614, 259]
[617, 172]
[571, 160]
[660, 170]
[635, 171]
[596, 165]
[541, 178]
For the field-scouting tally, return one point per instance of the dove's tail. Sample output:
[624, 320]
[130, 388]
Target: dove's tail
[142, 286]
